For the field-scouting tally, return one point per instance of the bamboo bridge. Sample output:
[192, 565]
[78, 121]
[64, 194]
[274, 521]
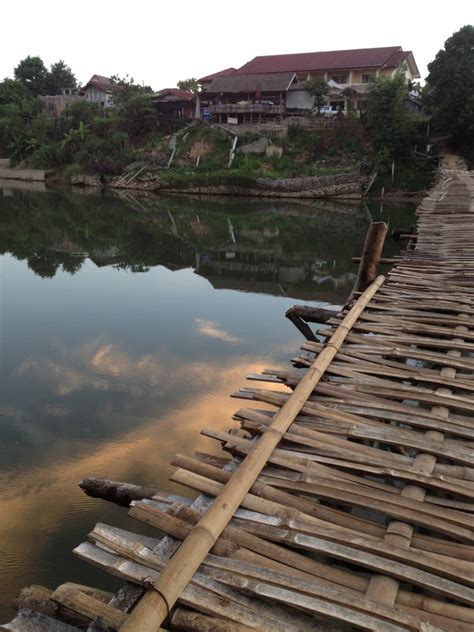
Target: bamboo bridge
[347, 500]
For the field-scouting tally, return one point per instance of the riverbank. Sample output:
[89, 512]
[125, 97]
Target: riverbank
[346, 186]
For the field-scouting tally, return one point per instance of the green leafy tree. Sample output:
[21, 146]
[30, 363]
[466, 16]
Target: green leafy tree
[13, 92]
[18, 109]
[127, 89]
[81, 111]
[450, 83]
[393, 129]
[59, 76]
[349, 94]
[138, 116]
[32, 73]
[20, 146]
[319, 89]
[190, 84]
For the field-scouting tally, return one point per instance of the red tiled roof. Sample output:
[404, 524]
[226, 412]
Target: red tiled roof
[179, 95]
[329, 60]
[222, 73]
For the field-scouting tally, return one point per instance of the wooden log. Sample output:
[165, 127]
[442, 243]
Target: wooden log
[73, 598]
[156, 604]
[191, 621]
[119, 493]
[300, 324]
[312, 314]
[371, 254]
[37, 598]
[31, 621]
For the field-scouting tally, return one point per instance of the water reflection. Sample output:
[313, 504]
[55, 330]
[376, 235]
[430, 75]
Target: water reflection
[111, 373]
[251, 246]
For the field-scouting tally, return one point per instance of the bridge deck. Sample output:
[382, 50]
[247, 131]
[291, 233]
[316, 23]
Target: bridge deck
[363, 517]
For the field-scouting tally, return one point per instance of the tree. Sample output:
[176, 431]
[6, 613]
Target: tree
[32, 73]
[450, 93]
[349, 94]
[138, 115]
[14, 92]
[319, 89]
[190, 85]
[392, 128]
[127, 89]
[18, 108]
[59, 76]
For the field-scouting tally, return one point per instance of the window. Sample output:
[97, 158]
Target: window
[367, 78]
[340, 78]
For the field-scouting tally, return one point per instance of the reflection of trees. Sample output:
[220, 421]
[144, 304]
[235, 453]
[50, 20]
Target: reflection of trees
[59, 229]
[46, 263]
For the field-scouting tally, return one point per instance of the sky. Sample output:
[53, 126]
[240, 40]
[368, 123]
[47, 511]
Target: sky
[159, 43]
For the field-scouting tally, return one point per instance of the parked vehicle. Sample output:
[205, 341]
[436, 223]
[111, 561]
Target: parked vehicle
[327, 110]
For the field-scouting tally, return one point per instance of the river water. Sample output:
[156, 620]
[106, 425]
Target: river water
[126, 323]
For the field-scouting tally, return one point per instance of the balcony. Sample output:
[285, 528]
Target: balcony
[251, 108]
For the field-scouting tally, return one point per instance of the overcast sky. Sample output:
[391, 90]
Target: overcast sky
[159, 43]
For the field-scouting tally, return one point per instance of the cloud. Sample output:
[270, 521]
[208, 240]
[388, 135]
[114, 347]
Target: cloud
[209, 328]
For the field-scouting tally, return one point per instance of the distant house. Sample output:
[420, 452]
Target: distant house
[248, 98]
[53, 105]
[100, 90]
[174, 104]
[341, 69]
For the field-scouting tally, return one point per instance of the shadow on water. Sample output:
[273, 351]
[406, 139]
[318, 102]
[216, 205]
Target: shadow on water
[126, 323]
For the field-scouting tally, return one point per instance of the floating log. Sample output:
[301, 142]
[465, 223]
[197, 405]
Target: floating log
[300, 315]
[117, 492]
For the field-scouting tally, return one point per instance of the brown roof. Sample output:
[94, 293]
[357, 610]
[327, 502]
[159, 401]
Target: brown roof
[215, 75]
[399, 57]
[174, 94]
[330, 60]
[272, 82]
[100, 82]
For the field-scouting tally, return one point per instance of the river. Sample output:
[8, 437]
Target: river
[126, 323]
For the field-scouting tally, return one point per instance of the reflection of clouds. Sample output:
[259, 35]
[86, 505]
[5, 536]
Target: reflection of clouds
[43, 501]
[209, 328]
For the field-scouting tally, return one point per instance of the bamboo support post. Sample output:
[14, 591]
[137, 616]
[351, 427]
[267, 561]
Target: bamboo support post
[156, 604]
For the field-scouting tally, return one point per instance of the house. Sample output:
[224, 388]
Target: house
[174, 104]
[100, 90]
[53, 105]
[248, 97]
[341, 69]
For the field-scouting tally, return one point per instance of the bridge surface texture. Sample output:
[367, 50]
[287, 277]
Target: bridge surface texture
[363, 516]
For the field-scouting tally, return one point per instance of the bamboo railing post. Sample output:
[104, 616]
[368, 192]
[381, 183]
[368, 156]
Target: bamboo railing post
[156, 604]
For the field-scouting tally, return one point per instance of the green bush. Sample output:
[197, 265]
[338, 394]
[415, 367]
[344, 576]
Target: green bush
[106, 156]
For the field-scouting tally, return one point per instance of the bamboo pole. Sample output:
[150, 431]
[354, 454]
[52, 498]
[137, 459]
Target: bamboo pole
[156, 604]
